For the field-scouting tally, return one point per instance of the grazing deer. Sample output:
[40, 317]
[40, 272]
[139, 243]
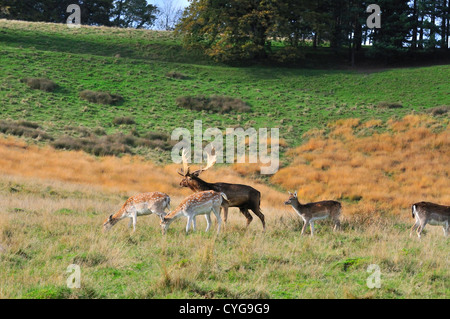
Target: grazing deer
[430, 213]
[315, 211]
[242, 196]
[201, 203]
[138, 205]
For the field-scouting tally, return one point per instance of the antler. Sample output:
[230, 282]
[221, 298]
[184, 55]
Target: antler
[185, 170]
[211, 160]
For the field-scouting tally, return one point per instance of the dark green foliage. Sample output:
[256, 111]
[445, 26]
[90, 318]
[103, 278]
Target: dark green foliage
[237, 31]
[120, 13]
[133, 14]
[93, 12]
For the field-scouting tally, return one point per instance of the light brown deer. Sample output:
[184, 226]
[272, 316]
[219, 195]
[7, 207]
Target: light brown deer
[242, 196]
[201, 203]
[138, 205]
[315, 211]
[430, 213]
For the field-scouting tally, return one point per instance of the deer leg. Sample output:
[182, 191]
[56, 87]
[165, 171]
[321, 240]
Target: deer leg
[247, 215]
[133, 220]
[311, 226]
[193, 223]
[188, 223]
[208, 222]
[257, 212]
[305, 224]
[337, 224]
[219, 220]
[417, 223]
[225, 212]
[421, 227]
[446, 228]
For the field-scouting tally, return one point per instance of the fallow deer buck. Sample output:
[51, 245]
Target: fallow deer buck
[138, 205]
[201, 203]
[430, 213]
[242, 196]
[315, 211]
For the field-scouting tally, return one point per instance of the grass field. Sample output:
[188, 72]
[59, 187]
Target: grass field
[47, 226]
[364, 137]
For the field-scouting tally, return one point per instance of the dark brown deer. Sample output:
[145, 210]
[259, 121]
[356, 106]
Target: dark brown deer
[242, 196]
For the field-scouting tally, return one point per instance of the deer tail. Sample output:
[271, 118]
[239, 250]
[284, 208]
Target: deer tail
[413, 208]
[224, 196]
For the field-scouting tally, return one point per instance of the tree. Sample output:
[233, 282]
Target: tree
[389, 41]
[93, 12]
[229, 30]
[168, 16]
[133, 14]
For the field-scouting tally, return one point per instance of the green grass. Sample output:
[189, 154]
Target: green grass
[292, 99]
[46, 226]
[40, 238]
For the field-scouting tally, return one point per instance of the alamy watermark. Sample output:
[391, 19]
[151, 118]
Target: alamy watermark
[374, 20]
[374, 280]
[236, 142]
[74, 280]
[74, 20]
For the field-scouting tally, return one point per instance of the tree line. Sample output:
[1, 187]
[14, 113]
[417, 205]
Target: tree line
[114, 13]
[236, 30]
[242, 30]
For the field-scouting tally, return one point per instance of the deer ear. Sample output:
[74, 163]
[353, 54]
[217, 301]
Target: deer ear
[110, 217]
[196, 173]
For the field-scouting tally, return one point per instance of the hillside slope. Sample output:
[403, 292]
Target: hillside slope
[134, 64]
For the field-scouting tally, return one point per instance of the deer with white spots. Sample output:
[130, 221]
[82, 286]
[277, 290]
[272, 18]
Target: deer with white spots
[430, 213]
[140, 205]
[327, 209]
[201, 203]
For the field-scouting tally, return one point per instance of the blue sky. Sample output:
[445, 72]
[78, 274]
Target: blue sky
[181, 3]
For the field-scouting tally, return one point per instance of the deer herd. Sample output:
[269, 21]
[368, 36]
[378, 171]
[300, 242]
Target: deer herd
[212, 197]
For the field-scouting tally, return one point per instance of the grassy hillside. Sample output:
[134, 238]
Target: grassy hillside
[134, 65]
[350, 135]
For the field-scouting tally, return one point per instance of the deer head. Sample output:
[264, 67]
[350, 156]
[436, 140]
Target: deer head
[292, 198]
[185, 171]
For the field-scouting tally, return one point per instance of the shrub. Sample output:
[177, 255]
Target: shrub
[288, 54]
[100, 97]
[114, 144]
[92, 145]
[40, 84]
[439, 110]
[23, 128]
[176, 75]
[389, 105]
[217, 104]
[123, 120]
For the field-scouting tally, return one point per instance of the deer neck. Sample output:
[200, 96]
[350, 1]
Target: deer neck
[200, 185]
[173, 215]
[297, 207]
